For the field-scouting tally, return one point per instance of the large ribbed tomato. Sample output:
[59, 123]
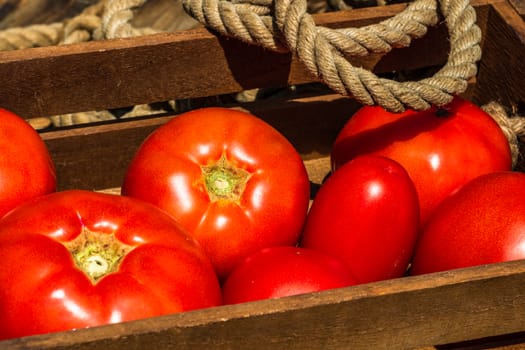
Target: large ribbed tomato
[482, 223]
[77, 259]
[441, 148]
[231, 180]
[26, 168]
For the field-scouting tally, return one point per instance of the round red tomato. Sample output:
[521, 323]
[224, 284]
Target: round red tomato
[366, 214]
[482, 223]
[284, 271]
[441, 148]
[230, 179]
[26, 168]
[77, 259]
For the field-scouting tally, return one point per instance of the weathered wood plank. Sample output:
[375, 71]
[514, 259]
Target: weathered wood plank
[519, 5]
[403, 313]
[96, 156]
[185, 64]
[501, 70]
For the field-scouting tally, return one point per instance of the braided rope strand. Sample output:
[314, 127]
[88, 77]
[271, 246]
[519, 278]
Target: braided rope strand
[116, 18]
[285, 25]
[32, 36]
[324, 51]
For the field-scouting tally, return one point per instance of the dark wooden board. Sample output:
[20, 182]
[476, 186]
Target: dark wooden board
[96, 156]
[519, 5]
[185, 64]
[406, 313]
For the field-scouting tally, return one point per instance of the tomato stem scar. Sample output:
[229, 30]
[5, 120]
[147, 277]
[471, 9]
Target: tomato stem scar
[97, 254]
[223, 180]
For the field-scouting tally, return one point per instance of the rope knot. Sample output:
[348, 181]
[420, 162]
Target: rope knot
[325, 51]
[286, 25]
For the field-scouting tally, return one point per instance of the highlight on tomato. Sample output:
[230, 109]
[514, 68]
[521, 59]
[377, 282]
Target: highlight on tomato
[230, 179]
[367, 215]
[482, 223]
[282, 271]
[77, 259]
[441, 148]
[26, 167]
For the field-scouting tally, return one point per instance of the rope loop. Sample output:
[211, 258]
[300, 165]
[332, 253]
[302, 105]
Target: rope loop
[285, 25]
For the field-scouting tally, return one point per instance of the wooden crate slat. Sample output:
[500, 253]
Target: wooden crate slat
[186, 64]
[95, 157]
[404, 313]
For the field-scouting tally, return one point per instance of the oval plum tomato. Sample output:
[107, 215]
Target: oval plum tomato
[482, 223]
[367, 215]
[441, 148]
[77, 259]
[284, 271]
[26, 168]
[230, 179]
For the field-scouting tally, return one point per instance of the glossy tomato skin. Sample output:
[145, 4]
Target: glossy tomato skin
[168, 169]
[44, 284]
[441, 149]
[282, 271]
[26, 167]
[482, 223]
[367, 215]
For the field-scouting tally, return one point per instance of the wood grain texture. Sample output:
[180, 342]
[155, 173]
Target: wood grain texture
[186, 64]
[95, 157]
[501, 70]
[519, 5]
[403, 313]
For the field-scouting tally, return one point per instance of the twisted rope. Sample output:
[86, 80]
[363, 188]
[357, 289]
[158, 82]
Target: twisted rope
[286, 25]
[103, 20]
[116, 18]
[78, 29]
[512, 125]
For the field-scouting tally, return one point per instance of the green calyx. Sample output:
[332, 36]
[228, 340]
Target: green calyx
[224, 181]
[97, 254]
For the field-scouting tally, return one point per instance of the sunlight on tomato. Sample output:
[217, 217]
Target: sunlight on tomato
[367, 215]
[277, 272]
[441, 148]
[77, 259]
[482, 223]
[26, 167]
[231, 180]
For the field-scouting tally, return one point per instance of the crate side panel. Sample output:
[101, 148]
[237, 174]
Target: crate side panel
[186, 64]
[96, 157]
[501, 76]
[407, 313]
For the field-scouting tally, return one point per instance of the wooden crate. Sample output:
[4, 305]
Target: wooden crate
[468, 308]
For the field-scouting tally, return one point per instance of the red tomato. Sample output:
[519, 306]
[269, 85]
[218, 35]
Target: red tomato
[367, 215]
[482, 223]
[76, 259]
[230, 179]
[441, 148]
[26, 168]
[283, 271]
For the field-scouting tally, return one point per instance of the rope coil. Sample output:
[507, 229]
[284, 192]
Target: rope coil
[285, 24]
